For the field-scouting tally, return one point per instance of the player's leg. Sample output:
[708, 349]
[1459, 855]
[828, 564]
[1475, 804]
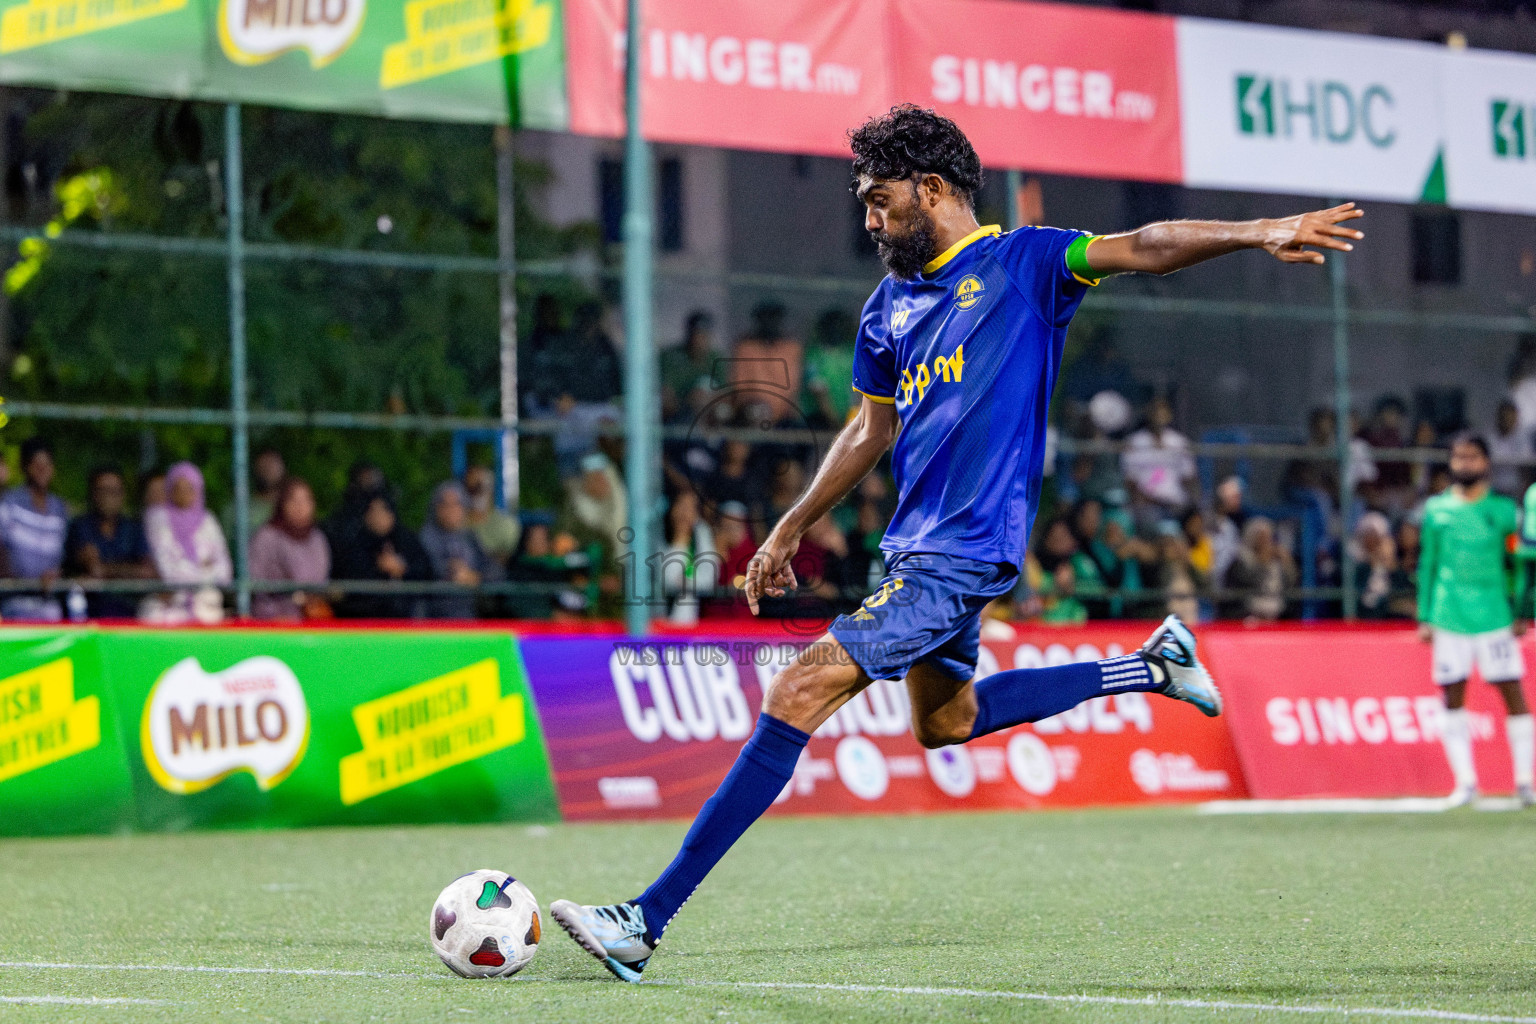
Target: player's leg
[1500, 662]
[624, 935]
[1453, 657]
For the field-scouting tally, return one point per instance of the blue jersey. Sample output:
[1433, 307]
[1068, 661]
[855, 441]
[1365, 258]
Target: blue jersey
[968, 352]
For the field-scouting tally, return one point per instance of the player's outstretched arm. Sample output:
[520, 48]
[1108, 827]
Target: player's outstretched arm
[1167, 246]
[853, 454]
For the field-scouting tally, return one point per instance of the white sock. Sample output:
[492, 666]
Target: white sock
[1456, 734]
[1521, 730]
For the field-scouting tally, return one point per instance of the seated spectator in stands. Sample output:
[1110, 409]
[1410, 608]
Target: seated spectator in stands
[33, 524]
[734, 482]
[1508, 445]
[1388, 429]
[690, 565]
[1056, 544]
[1263, 571]
[189, 550]
[290, 548]
[454, 553]
[785, 485]
[1408, 536]
[595, 511]
[106, 544]
[767, 368]
[736, 546]
[687, 370]
[1175, 574]
[151, 489]
[1202, 552]
[1385, 591]
[866, 562]
[1058, 598]
[371, 545]
[828, 392]
[537, 564]
[496, 531]
[268, 471]
[1159, 469]
[577, 381]
[1229, 515]
[1098, 567]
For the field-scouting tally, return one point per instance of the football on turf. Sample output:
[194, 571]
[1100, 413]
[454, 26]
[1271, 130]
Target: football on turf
[485, 925]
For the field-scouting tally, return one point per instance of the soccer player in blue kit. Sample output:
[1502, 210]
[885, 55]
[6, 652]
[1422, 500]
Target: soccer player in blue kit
[956, 359]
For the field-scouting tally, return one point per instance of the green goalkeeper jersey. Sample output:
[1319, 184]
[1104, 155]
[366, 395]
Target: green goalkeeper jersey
[1464, 578]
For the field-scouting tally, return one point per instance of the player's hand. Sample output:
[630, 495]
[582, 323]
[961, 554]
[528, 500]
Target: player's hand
[1286, 238]
[1426, 632]
[769, 572]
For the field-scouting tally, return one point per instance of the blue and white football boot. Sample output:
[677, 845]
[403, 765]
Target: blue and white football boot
[1172, 650]
[615, 934]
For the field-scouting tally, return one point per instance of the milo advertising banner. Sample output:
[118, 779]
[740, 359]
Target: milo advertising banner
[439, 60]
[104, 730]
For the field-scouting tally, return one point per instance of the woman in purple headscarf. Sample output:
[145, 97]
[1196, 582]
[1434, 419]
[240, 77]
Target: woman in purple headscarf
[188, 548]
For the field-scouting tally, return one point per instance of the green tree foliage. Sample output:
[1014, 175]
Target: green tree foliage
[113, 327]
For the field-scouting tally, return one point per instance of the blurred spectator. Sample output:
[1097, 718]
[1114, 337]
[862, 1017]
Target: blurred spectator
[683, 368]
[1098, 564]
[785, 485]
[866, 563]
[577, 382]
[1202, 550]
[767, 368]
[829, 370]
[106, 544]
[1408, 537]
[372, 545]
[1058, 598]
[1056, 544]
[1522, 381]
[1158, 467]
[268, 470]
[1176, 576]
[536, 562]
[454, 552]
[151, 489]
[290, 548]
[1263, 571]
[1229, 517]
[496, 531]
[1388, 429]
[690, 565]
[33, 524]
[734, 481]
[594, 513]
[1384, 590]
[1507, 444]
[734, 542]
[189, 550]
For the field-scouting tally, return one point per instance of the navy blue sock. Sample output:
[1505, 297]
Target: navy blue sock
[762, 768]
[1029, 694]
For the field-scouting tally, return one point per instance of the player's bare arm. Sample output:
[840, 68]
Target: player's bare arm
[854, 453]
[1167, 246]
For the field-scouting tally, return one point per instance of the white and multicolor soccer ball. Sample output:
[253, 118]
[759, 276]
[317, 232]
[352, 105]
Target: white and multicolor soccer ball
[485, 925]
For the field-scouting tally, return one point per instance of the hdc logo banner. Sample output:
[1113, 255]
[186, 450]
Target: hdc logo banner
[1286, 110]
[1491, 131]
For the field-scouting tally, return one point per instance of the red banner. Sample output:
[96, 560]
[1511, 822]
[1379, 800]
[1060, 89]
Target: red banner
[1046, 87]
[790, 76]
[1346, 713]
[649, 730]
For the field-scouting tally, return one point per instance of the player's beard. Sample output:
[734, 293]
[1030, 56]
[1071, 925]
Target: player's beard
[1468, 479]
[905, 255]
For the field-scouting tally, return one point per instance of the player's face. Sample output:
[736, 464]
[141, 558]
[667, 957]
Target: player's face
[1468, 464]
[902, 228]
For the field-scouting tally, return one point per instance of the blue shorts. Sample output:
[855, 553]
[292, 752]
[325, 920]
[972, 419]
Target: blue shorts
[926, 609]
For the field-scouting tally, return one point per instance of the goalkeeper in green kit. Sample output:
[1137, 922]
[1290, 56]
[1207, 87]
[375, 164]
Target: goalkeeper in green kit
[1467, 609]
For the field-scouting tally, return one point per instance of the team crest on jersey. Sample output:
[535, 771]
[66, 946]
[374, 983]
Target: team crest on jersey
[968, 291]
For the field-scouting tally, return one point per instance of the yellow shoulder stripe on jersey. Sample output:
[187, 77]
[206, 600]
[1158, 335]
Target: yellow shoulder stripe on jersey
[954, 250]
[878, 398]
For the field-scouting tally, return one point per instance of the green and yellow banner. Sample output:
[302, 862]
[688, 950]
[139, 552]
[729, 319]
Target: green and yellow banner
[109, 730]
[439, 60]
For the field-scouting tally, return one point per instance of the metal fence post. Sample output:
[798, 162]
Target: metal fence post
[640, 403]
[234, 206]
[1013, 181]
[1341, 410]
[506, 244]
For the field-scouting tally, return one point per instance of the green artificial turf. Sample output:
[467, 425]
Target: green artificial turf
[1371, 911]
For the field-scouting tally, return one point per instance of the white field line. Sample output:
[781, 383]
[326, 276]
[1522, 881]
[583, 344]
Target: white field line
[1401, 1013]
[78, 1001]
[1220, 1005]
[1404, 805]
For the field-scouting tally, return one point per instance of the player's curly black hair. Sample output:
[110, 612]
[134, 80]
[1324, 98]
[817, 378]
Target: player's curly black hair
[908, 140]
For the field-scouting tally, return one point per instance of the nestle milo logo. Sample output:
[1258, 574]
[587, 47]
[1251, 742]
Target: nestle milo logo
[1269, 106]
[1513, 122]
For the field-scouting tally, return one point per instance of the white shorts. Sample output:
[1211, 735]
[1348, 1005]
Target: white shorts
[1496, 654]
